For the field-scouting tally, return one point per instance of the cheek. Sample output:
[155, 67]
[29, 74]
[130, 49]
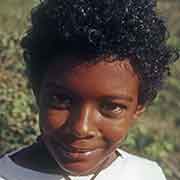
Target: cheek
[114, 131]
[52, 120]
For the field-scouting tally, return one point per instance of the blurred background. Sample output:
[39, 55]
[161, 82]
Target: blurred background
[157, 135]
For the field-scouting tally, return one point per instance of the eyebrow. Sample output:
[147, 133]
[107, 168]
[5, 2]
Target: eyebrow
[54, 84]
[58, 86]
[109, 97]
[119, 97]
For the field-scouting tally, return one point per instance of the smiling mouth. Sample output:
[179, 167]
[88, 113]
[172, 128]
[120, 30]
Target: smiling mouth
[76, 153]
[72, 149]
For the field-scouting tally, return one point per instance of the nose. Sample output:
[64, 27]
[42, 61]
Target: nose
[82, 122]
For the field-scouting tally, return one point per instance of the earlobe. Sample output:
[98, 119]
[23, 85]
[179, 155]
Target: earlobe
[35, 91]
[139, 110]
[36, 95]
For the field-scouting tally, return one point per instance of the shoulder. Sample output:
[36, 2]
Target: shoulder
[5, 167]
[142, 168]
[13, 169]
[8, 168]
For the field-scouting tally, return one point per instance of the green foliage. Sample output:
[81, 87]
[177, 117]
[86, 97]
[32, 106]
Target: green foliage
[18, 114]
[156, 135]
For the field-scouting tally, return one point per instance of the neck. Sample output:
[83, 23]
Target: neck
[107, 162]
[103, 165]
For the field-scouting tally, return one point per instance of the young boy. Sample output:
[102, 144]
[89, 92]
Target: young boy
[94, 66]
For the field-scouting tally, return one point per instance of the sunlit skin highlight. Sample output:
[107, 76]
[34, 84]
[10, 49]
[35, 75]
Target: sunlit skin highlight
[86, 111]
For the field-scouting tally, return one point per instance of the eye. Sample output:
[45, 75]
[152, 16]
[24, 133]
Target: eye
[59, 101]
[112, 109]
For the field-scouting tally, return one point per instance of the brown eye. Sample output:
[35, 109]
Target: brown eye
[112, 109]
[59, 101]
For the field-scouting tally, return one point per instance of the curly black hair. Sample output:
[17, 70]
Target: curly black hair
[122, 28]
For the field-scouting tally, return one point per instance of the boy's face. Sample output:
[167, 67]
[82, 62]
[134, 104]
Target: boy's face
[86, 111]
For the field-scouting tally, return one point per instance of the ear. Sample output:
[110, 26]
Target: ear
[139, 110]
[35, 89]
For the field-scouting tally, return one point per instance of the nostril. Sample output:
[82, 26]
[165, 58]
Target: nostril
[78, 132]
[82, 134]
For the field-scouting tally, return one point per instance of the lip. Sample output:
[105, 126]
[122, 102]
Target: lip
[72, 149]
[77, 153]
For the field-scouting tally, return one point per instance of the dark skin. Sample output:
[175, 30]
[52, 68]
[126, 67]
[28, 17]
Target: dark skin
[85, 113]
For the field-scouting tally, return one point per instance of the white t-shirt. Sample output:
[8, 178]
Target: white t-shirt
[125, 167]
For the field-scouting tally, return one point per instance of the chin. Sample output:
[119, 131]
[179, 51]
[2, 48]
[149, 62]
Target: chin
[79, 163]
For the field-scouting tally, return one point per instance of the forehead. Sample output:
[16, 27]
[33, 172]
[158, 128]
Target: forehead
[100, 79]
